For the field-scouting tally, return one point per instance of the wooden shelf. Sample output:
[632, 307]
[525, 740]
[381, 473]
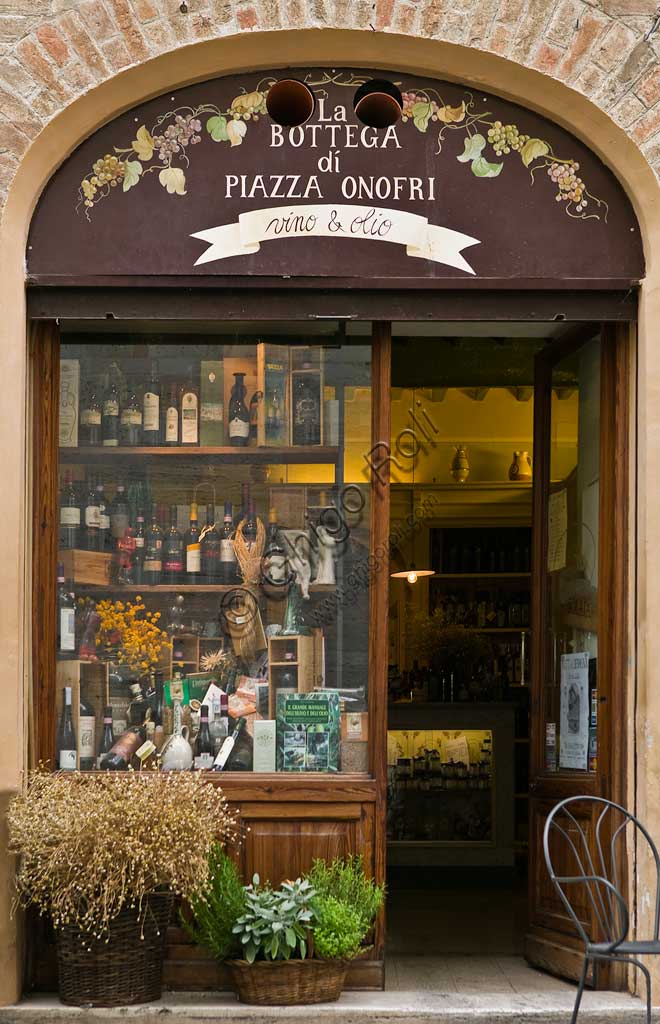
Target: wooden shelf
[185, 588]
[481, 576]
[496, 629]
[290, 454]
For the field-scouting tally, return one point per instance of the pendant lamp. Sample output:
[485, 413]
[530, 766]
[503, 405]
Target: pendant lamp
[412, 573]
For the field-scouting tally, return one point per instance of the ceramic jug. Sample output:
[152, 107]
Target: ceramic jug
[176, 755]
[460, 466]
[521, 467]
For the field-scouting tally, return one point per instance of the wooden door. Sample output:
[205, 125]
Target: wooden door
[579, 609]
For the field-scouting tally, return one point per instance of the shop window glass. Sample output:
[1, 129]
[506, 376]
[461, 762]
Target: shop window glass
[213, 583]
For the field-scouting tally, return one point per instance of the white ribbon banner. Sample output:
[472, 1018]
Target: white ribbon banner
[421, 239]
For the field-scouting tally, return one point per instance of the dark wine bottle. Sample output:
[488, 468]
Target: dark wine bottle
[66, 614]
[67, 748]
[119, 513]
[90, 418]
[107, 737]
[227, 747]
[250, 525]
[190, 412]
[130, 421]
[140, 542]
[151, 409]
[211, 549]
[69, 513]
[92, 517]
[110, 419]
[172, 418]
[204, 748]
[239, 417]
[121, 753]
[153, 552]
[193, 548]
[173, 551]
[158, 700]
[253, 413]
[228, 563]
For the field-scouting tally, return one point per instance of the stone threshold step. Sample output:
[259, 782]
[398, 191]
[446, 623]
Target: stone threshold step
[353, 1008]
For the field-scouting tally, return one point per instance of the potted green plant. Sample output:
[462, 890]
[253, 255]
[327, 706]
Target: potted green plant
[105, 856]
[291, 945]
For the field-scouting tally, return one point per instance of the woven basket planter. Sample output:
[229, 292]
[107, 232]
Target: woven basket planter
[288, 982]
[125, 970]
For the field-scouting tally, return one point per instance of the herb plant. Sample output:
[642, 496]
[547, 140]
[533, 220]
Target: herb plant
[216, 909]
[347, 883]
[276, 922]
[338, 931]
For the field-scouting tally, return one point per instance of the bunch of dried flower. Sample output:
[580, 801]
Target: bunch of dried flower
[90, 845]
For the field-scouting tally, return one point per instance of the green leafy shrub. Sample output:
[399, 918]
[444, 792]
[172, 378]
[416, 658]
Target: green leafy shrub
[218, 907]
[276, 922]
[347, 883]
[338, 930]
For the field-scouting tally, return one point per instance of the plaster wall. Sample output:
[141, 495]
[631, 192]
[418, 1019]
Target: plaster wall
[60, 114]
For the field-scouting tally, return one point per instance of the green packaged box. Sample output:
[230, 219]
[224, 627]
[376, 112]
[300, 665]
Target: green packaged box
[212, 403]
[308, 732]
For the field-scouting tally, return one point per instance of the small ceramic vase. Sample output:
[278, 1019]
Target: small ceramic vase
[521, 467]
[460, 466]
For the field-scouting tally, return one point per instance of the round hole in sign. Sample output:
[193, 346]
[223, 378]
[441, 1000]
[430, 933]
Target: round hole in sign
[378, 103]
[290, 102]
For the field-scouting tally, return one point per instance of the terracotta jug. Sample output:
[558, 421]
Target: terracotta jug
[521, 467]
[460, 466]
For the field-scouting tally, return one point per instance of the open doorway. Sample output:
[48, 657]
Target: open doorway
[461, 612]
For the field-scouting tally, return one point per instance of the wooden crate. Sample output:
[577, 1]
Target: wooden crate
[307, 663]
[86, 566]
[89, 678]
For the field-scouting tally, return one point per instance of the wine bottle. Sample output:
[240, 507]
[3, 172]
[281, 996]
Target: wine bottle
[66, 618]
[158, 700]
[211, 549]
[239, 417]
[92, 517]
[153, 552]
[173, 551]
[250, 526]
[253, 413]
[69, 513]
[204, 743]
[227, 747]
[90, 418]
[151, 409]
[172, 419]
[87, 737]
[104, 518]
[190, 413]
[193, 548]
[228, 565]
[121, 753]
[140, 540]
[107, 736]
[119, 513]
[66, 749]
[110, 417]
[130, 421]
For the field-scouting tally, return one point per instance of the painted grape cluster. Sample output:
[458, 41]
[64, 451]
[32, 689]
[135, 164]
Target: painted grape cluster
[165, 148]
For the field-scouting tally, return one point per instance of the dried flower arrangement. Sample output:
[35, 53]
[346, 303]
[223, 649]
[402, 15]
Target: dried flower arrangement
[131, 633]
[248, 554]
[90, 846]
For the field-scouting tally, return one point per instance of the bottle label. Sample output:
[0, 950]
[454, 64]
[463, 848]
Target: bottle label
[87, 740]
[67, 629]
[227, 553]
[194, 558]
[239, 428]
[203, 762]
[189, 432]
[90, 418]
[152, 564]
[92, 515]
[127, 744]
[119, 522]
[173, 563]
[151, 407]
[104, 520]
[69, 516]
[139, 542]
[131, 418]
[172, 424]
[68, 760]
[111, 407]
[110, 442]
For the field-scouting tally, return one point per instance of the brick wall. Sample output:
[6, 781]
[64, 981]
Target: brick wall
[52, 51]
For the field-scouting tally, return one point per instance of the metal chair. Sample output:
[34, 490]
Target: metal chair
[598, 875]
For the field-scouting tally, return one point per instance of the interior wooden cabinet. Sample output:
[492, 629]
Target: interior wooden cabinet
[288, 819]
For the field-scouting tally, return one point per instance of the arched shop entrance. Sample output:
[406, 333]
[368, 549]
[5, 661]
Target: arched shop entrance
[375, 291]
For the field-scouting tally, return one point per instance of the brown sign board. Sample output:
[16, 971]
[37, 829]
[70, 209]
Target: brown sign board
[465, 188]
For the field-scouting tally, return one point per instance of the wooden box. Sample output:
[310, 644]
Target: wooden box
[273, 376]
[306, 665]
[89, 678]
[86, 566]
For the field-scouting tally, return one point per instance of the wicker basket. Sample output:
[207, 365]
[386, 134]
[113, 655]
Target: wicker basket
[127, 969]
[288, 982]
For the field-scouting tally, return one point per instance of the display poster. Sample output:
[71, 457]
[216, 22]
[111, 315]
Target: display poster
[557, 530]
[574, 712]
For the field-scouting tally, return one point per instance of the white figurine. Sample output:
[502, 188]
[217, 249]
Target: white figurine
[326, 566]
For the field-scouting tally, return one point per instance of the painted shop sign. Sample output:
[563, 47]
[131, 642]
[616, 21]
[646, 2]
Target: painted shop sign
[202, 183]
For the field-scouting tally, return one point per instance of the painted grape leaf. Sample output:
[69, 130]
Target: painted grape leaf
[236, 131]
[174, 180]
[132, 172]
[143, 144]
[483, 169]
[217, 128]
[421, 113]
[532, 149]
[473, 148]
[451, 114]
